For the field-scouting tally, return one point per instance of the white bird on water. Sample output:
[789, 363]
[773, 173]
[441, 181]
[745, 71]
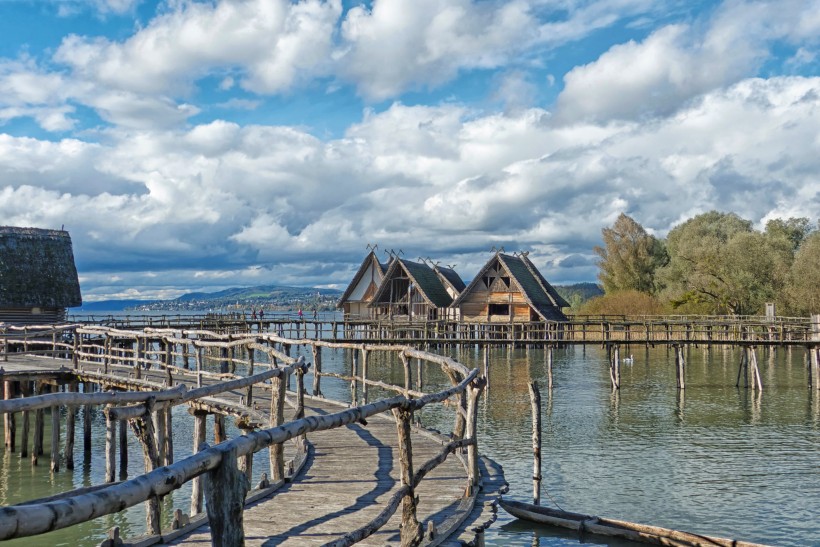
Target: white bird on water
[629, 360]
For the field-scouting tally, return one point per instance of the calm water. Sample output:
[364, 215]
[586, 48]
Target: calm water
[717, 459]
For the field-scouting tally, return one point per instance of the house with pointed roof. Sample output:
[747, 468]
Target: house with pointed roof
[509, 288]
[356, 299]
[38, 277]
[416, 291]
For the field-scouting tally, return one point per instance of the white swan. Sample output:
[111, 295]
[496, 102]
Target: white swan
[629, 360]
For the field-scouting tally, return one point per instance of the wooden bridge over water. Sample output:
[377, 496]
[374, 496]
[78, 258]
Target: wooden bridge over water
[622, 329]
[337, 475]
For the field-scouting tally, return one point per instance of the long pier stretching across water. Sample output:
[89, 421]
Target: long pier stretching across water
[372, 476]
[338, 475]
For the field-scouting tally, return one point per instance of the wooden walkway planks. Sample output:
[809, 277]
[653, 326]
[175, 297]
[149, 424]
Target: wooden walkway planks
[351, 474]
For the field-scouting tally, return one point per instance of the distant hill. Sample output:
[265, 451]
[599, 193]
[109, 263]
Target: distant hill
[276, 297]
[109, 305]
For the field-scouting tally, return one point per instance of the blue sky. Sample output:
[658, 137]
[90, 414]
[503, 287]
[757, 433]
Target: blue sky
[200, 145]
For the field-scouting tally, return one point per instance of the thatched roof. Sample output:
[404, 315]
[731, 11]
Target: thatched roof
[37, 269]
[368, 260]
[537, 292]
[450, 277]
[426, 280]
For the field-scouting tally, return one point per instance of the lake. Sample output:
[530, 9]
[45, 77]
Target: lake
[713, 458]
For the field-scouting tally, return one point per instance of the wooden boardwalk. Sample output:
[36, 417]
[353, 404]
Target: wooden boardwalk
[349, 476]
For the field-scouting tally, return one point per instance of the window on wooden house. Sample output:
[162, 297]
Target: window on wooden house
[499, 309]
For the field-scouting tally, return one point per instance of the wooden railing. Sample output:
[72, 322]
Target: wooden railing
[127, 359]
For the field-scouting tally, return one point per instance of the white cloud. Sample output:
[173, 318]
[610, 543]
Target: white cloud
[679, 62]
[272, 41]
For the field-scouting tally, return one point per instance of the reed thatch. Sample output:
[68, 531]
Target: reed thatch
[37, 269]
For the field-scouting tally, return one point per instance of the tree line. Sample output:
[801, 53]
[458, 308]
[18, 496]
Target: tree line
[714, 263]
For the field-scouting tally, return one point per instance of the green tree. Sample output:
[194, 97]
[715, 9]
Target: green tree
[794, 229]
[803, 286]
[630, 257]
[719, 264]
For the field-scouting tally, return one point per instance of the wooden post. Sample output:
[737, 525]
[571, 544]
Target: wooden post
[199, 442]
[405, 361]
[277, 418]
[87, 428]
[549, 368]
[220, 434]
[169, 436]
[300, 395]
[107, 356]
[246, 463]
[411, 531]
[743, 367]
[353, 372]
[39, 418]
[757, 383]
[159, 432]
[144, 430]
[110, 445]
[364, 376]
[249, 393]
[55, 439]
[317, 368]
[419, 374]
[487, 363]
[535, 402]
[8, 417]
[123, 449]
[199, 366]
[26, 391]
[680, 367]
[225, 491]
[69, 431]
[473, 393]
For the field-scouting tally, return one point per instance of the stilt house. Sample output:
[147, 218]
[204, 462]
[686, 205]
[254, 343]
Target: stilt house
[415, 291]
[38, 278]
[509, 288]
[356, 299]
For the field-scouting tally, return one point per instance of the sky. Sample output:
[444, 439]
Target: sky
[204, 145]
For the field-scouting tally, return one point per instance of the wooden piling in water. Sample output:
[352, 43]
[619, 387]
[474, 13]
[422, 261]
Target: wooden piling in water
[110, 445]
[25, 392]
[123, 428]
[200, 425]
[55, 439]
[535, 403]
[71, 411]
[277, 418]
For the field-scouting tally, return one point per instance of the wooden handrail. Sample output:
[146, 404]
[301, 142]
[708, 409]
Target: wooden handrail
[35, 518]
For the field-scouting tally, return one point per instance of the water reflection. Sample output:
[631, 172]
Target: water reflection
[712, 458]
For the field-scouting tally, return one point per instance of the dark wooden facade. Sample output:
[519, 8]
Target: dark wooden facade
[509, 288]
[415, 291]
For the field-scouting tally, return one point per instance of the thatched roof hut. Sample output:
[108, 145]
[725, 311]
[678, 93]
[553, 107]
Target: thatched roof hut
[38, 278]
[354, 302]
[510, 288]
[412, 290]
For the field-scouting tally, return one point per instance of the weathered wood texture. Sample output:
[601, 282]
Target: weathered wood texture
[381, 454]
[352, 473]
